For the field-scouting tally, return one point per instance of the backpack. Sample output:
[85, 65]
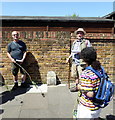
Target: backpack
[105, 91]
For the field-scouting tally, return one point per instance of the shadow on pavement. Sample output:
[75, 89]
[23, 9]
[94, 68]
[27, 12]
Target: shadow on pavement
[1, 111]
[10, 95]
[110, 117]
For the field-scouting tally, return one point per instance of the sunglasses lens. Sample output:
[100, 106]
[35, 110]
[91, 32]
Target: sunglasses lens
[15, 34]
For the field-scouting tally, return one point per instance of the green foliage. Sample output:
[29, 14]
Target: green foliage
[73, 15]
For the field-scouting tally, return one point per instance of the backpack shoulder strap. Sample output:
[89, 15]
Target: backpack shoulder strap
[95, 71]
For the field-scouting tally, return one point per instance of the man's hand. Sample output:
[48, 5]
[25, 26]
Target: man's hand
[13, 60]
[19, 60]
[67, 60]
[78, 87]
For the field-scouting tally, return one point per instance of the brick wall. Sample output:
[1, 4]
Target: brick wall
[47, 51]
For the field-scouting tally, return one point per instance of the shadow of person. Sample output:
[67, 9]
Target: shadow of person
[1, 111]
[10, 95]
[32, 68]
[110, 117]
[2, 82]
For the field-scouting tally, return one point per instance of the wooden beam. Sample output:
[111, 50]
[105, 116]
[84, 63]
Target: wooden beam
[69, 29]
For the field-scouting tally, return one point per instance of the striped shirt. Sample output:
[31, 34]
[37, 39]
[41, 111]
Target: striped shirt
[89, 82]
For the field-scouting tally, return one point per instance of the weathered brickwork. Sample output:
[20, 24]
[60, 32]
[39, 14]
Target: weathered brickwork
[47, 51]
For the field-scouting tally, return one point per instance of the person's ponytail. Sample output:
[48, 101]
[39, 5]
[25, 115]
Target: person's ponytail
[96, 65]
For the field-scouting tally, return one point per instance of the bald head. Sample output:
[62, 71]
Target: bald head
[15, 35]
[15, 32]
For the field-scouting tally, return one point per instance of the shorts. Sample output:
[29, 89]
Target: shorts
[76, 70]
[15, 69]
[85, 112]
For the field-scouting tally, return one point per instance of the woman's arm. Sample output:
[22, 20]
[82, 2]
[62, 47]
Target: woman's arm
[89, 94]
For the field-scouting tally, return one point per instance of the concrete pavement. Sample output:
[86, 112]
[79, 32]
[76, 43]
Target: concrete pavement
[58, 102]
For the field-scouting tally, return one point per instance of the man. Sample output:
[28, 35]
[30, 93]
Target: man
[77, 63]
[16, 51]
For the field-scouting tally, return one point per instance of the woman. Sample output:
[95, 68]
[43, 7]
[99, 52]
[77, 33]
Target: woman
[89, 83]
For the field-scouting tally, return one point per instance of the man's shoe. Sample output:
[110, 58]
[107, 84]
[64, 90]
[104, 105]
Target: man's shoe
[15, 86]
[74, 89]
[24, 85]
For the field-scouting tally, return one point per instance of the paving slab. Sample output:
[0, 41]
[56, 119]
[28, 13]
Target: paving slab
[57, 103]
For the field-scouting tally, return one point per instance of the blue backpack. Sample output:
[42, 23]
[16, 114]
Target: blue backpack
[105, 92]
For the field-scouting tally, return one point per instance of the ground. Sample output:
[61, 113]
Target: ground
[56, 102]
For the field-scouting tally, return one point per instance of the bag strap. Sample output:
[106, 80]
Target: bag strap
[96, 71]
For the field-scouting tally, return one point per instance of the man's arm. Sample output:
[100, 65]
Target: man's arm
[24, 56]
[67, 60]
[89, 93]
[8, 54]
[72, 51]
[88, 43]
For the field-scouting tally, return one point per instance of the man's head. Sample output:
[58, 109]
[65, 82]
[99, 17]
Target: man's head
[80, 33]
[15, 35]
